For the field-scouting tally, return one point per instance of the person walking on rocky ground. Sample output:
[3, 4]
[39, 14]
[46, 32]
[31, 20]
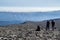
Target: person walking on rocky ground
[53, 25]
[47, 25]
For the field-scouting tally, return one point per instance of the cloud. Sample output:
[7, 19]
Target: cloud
[28, 9]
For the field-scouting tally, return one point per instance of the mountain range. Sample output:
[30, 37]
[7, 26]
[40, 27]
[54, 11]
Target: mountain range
[20, 17]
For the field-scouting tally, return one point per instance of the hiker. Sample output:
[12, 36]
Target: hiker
[53, 24]
[47, 25]
[38, 28]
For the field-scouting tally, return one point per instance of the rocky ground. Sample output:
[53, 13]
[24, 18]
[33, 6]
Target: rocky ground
[27, 31]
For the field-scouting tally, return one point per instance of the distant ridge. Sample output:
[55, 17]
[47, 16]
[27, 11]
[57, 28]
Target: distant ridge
[40, 23]
[20, 17]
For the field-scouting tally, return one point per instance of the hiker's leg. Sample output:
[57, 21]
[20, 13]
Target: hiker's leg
[53, 28]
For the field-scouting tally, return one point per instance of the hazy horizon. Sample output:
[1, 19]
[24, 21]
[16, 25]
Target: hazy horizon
[29, 9]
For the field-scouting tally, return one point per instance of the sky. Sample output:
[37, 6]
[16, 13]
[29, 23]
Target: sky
[29, 9]
[30, 3]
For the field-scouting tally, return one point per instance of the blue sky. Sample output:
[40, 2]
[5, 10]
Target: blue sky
[30, 3]
[34, 5]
